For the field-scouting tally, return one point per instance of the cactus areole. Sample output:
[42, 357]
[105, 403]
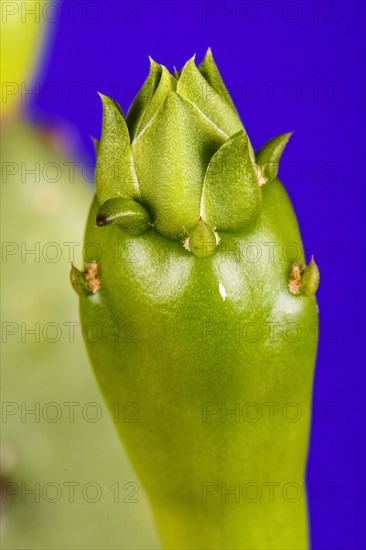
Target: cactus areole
[201, 314]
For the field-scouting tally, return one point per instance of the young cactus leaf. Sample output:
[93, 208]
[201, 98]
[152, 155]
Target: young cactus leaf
[78, 282]
[310, 279]
[209, 70]
[304, 280]
[138, 106]
[129, 215]
[202, 240]
[167, 82]
[170, 177]
[176, 73]
[193, 86]
[85, 282]
[268, 157]
[115, 173]
[231, 198]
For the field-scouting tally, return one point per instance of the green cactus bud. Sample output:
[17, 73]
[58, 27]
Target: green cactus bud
[211, 318]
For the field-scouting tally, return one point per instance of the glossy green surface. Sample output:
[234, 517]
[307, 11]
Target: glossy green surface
[171, 359]
[189, 337]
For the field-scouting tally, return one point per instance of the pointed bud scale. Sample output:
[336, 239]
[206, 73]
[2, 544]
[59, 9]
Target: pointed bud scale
[268, 157]
[202, 240]
[78, 282]
[143, 97]
[166, 84]
[85, 282]
[232, 198]
[209, 70]
[304, 280]
[171, 158]
[115, 173]
[129, 215]
[193, 86]
[310, 279]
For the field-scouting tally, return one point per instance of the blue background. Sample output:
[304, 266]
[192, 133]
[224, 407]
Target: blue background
[295, 65]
